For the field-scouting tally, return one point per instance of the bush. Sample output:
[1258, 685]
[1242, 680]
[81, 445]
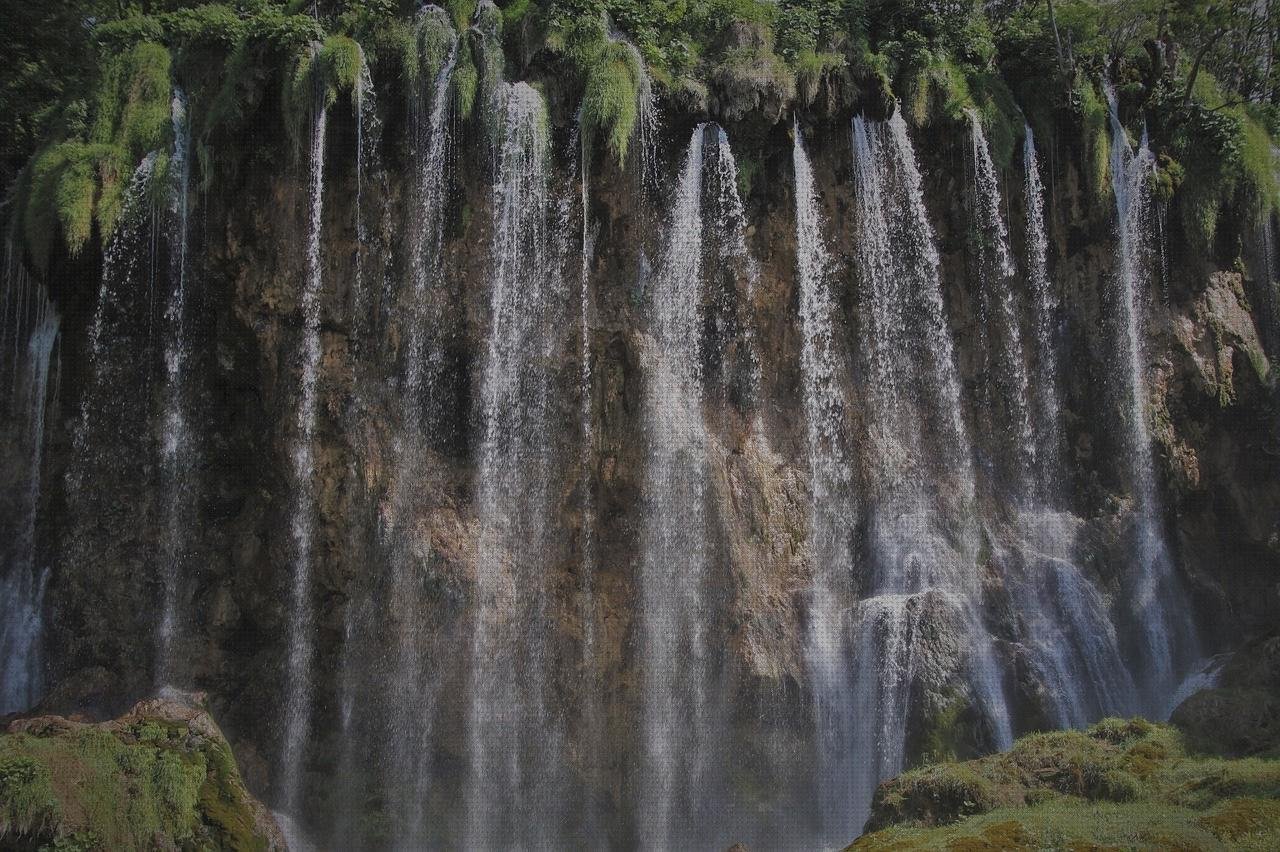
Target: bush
[610, 99]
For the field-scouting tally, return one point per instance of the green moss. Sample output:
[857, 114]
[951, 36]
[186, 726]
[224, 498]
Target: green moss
[1127, 783]
[69, 184]
[27, 803]
[435, 39]
[748, 79]
[940, 740]
[811, 69]
[1002, 120]
[463, 12]
[112, 790]
[1239, 820]
[1094, 132]
[397, 42]
[465, 82]
[320, 74]
[480, 61]
[610, 100]
[344, 61]
[936, 88]
[1258, 167]
[133, 102]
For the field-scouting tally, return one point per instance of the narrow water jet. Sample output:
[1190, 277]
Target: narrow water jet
[177, 450]
[120, 262]
[1044, 303]
[733, 278]
[368, 165]
[298, 686]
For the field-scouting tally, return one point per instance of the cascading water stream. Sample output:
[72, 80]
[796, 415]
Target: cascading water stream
[706, 273]
[1008, 387]
[413, 671]
[1167, 640]
[22, 581]
[368, 164]
[675, 706]
[831, 515]
[728, 221]
[922, 573]
[1072, 643]
[177, 453]
[119, 265]
[514, 789]
[301, 617]
[1048, 407]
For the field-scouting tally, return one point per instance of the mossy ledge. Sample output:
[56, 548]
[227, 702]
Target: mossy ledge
[161, 776]
[1128, 784]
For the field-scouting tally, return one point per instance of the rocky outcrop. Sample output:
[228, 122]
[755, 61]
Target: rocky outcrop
[161, 776]
[1240, 715]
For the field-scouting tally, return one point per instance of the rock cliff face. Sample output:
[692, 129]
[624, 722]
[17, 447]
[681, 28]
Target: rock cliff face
[394, 667]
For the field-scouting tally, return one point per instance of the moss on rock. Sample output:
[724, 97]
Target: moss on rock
[1126, 783]
[160, 776]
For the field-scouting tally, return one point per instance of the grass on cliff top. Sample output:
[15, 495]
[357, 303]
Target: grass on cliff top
[134, 788]
[1130, 784]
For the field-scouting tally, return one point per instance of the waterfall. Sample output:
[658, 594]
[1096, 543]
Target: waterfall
[1049, 437]
[1167, 641]
[368, 164]
[412, 670]
[514, 785]
[674, 654]
[698, 289]
[1008, 388]
[119, 264]
[831, 516]
[301, 617]
[431, 145]
[910, 366]
[34, 331]
[177, 461]
[1072, 643]
[921, 574]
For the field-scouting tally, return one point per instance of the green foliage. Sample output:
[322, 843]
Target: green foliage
[610, 98]
[1092, 112]
[132, 106]
[435, 39]
[750, 79]
[935, 88]
[1227, 162]
[811, 69]
[463, 12]
[1001, 118]
[321, 72]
